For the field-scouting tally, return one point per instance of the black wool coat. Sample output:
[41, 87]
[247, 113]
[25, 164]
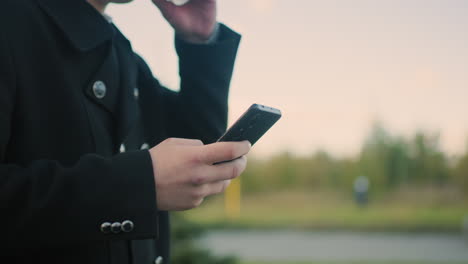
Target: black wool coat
[78, 111]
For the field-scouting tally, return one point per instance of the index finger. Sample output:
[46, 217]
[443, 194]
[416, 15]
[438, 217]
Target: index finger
[224, 151]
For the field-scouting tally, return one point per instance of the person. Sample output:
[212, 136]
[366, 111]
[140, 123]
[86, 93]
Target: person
[94, 151]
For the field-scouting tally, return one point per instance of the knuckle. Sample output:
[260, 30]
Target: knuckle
[198, 179]
[238, 167]
[199, 154]
[234, 171]
[199, 157]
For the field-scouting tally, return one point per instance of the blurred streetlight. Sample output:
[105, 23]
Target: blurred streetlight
[232, 200]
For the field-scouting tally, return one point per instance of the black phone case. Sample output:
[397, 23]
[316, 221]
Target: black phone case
[253, 124]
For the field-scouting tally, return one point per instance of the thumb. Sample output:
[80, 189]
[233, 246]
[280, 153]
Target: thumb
[224, 151]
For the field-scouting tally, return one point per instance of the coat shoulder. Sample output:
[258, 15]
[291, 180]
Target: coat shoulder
[143, 68]
[15, 13]
[17, 9]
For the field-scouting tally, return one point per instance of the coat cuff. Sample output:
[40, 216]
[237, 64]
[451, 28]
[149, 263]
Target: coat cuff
[133, 192]
[211, 58]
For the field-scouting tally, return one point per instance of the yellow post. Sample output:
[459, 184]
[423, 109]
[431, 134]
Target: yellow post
[232, 200]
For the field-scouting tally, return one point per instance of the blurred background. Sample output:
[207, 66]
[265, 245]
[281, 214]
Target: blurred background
[369, 163]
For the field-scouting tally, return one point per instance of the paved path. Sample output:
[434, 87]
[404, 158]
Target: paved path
[336, 246]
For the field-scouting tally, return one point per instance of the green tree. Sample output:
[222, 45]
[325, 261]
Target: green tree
[461, 173]
[397, 163]
[429, 164]
[374, 159]
[317, 171]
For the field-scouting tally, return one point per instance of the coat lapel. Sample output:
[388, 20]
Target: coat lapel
[83, 25]
[87, 29]
[127, 110]
[107, 75]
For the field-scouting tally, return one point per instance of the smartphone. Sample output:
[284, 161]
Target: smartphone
[253, 124]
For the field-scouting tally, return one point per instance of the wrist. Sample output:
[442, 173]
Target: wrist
[201, 38]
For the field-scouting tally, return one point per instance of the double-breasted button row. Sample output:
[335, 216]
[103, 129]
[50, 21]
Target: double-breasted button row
[100, 90]
[117, 227]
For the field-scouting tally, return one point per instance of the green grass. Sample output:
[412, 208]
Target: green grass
[301, 210]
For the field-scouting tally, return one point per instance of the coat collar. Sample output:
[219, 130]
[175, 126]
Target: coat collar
[83, 25]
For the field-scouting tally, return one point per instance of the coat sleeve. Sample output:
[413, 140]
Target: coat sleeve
[45, 203]
[199, 110]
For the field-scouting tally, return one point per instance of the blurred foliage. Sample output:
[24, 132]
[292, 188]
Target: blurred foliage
[413, 182]
[461, 172]
[185, 249]
[388, 161]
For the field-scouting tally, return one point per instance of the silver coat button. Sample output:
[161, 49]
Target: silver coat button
[116, 227]
[158, 260]
[144, 146]
[136, 93]
[127, 226]
[99, 89]
[106, 227]
[122, 148]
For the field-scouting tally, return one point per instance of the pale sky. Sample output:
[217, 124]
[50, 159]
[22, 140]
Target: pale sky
[333, 67]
